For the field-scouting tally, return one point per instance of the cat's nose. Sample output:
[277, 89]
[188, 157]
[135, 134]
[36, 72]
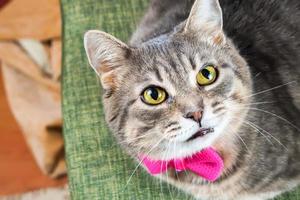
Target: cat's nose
[196, 116]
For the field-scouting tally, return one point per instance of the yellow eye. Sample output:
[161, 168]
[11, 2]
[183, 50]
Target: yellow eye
[154, 95]
[207, 75]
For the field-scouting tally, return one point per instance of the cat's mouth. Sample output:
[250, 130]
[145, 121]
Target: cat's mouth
[202, 132]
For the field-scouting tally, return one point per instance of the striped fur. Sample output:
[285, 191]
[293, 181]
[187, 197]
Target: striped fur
[253, 106]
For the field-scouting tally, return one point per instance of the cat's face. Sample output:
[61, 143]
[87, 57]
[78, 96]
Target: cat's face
[176, 95]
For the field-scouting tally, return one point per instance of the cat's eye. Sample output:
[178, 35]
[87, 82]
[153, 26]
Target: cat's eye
[154, 95]
[207, 75]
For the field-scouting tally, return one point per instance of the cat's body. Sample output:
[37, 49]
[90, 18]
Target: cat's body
[261, 147]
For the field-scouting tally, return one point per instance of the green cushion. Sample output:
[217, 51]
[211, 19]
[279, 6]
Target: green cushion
[97, 167]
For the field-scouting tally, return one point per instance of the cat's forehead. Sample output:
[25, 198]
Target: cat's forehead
[166, 65]
[177, 48]
[176, 58]
[174, 66]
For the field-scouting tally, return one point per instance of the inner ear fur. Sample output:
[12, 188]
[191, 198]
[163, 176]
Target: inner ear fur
[105, 54]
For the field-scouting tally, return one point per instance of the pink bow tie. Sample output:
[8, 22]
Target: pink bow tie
[206, 163]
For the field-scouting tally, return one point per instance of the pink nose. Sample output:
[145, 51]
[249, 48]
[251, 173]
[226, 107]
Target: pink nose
[196, 116]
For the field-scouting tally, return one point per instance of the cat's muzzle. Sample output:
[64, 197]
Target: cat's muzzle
[202, 132]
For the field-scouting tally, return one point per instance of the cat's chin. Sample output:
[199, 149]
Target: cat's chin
[188, 147]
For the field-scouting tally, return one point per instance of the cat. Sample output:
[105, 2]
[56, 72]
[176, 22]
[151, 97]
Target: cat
[208, 74]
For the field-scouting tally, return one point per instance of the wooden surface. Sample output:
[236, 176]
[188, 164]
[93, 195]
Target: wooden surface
[18, 171]
[35, 19]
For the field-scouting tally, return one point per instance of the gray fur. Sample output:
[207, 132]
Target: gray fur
[261, 143]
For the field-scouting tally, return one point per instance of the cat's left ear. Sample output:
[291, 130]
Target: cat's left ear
[206, 17]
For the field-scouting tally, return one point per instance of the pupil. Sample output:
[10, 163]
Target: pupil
[206, 74]
[154, 94]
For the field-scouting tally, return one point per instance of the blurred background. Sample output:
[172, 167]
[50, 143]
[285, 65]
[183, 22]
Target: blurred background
[32, 162]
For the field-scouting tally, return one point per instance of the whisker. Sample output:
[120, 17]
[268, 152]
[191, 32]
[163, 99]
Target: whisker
[275, 115]
[270, 113]
[136, 138]
[269, 134]
[154, 146]
[167, 171]
[257, 130]
[267, 90]
[243, 141]
[259, 73]
[258, 127]
[259, 103]
[161, 169]
[174, 153]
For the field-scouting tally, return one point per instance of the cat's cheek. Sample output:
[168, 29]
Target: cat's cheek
[188, 128]
[222, 124]
[209, 119]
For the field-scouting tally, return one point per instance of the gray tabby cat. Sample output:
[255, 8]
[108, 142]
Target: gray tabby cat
[182, 72]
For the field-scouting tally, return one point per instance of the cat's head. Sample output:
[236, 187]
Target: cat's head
[160, 95]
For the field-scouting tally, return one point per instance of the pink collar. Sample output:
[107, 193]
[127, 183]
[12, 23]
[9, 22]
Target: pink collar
[206, 163]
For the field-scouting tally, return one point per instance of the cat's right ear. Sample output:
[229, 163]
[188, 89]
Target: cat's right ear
[206, 17]
[105, 54]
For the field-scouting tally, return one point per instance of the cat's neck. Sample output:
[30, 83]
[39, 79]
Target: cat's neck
[231, 151]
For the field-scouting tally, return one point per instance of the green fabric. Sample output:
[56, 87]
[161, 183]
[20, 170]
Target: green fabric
[97, 167]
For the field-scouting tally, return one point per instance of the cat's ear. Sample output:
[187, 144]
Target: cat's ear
[206, 16]
[106, 55]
